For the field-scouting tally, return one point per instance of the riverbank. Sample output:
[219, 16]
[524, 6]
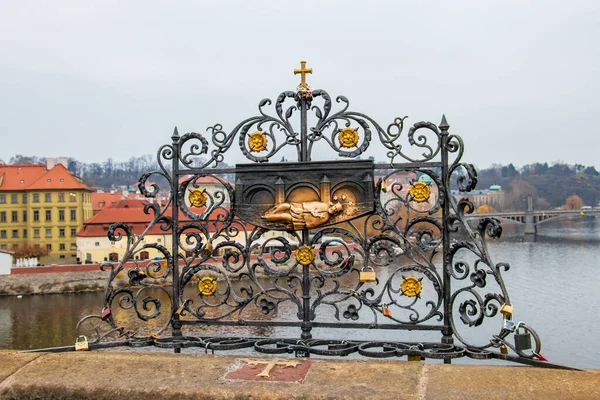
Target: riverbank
[53, 283]
[112, 375]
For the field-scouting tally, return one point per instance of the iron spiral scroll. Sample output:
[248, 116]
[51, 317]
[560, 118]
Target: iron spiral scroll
[433, 270]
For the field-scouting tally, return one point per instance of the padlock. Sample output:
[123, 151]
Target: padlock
[503, 349]
[509, 325]
[155, 335]
[507, 310]
[414, 358]
[385, 310]
[81, 345]
[106, 312]
[383, 187]
[368, 276]
[178, 312]
[522, 340]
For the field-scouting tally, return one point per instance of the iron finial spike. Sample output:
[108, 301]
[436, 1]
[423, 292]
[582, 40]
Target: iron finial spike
[175, 134]
[444, 123]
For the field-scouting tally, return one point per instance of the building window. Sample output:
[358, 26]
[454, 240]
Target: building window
[2, 199]
[15, 233]
[15, 216]
[36, 197]
[72, 197]
[3, 216]
[36, 233]
[36, 246]
[48, 197]
[25, 233]
[61, 215]
[3, 234]
[62, 247]
[49, 247]
[144, 255]
[73, 215]
[61, 232]
[36, 215]
[113, 257]
[48, 215]
[24, 198]
[49, 233]
[158, 240]
[61, 197]
[3, 246]
[62, 256]
[73, 231]
[14, 198]
[73, 246]
[97, 244]
[24, 216]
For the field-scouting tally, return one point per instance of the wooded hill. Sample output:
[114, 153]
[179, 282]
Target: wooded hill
[549, 185]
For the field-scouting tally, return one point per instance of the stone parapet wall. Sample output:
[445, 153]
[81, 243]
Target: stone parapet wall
[158, 376]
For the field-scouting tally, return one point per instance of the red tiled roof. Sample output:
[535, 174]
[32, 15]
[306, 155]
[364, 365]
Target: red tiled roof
[131, 212]
[102, 200]
[36, 177]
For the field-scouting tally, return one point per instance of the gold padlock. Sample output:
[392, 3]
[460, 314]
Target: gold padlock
[414, 358]
[383, 187]
[81, 345]
[503, 349]
[507, 310]
[368, 276]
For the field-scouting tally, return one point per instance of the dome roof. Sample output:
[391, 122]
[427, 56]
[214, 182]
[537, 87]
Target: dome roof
[425, 178]
[495, 188]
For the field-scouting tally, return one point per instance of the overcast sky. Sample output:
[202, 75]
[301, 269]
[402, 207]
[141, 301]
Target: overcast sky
[519, 81]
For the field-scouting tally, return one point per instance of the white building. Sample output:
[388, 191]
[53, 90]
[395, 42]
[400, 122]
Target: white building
[6, 262]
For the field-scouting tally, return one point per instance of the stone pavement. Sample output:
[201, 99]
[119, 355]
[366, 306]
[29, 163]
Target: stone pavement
[113, 375]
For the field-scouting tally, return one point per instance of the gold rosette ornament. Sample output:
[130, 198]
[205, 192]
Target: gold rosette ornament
[257, 142]
[207, 286]
[420, 192]
[197, 198]
[305, 255]
[411, 286]
[348, 137]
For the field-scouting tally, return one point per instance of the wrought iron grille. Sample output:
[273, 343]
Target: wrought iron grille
[352, 244]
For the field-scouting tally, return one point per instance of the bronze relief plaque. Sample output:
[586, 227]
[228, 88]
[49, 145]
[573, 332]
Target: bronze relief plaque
[295, 196]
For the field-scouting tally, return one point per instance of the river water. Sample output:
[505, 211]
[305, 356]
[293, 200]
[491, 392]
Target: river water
[554, 284]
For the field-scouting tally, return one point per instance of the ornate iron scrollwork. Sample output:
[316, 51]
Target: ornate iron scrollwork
[284, 238]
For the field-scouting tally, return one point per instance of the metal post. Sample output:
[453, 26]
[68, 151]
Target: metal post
[176, 324]
[305, 236]
[447, 335]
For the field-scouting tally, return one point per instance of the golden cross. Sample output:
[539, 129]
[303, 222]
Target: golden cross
[303, 71]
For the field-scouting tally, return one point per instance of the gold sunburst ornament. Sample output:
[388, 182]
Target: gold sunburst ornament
[257, 142]
[207, 286]
[420, 192]
[411, 286]
[305, 255]
[348, 137]
[197, 198]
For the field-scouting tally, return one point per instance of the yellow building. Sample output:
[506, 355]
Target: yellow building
[42, 206]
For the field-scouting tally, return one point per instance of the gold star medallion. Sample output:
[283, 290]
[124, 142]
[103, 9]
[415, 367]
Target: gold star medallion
[305, 255]
[207, 286]
[420, 192]
[257, 142]
[348, 137]
[411, 286]
[197, 198]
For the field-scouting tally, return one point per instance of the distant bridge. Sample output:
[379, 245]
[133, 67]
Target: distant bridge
[532, 219]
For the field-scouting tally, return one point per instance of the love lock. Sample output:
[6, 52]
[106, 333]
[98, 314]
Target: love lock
[522, 340]
[106, 312]
[368, 276]
[81, 345]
